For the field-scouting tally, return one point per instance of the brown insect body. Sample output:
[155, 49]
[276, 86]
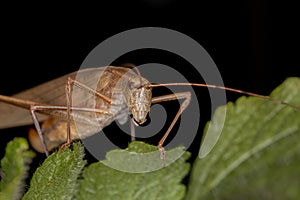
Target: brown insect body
[123, 93]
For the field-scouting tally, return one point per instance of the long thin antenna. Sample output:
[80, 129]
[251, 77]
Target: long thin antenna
[228, 89]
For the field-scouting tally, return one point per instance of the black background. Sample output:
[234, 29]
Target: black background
[254, 43]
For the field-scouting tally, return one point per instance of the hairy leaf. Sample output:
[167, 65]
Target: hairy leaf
[57, 177]
[14, 169]
[258, 153]
[101, 181]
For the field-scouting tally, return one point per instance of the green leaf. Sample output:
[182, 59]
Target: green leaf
[101, 181]
[15, 165]
[140, 158]
[258, 153]
[57, 177]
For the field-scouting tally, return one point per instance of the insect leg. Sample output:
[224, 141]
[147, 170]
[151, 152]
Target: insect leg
[132, 130]
[87, 88]
[68, 98]
[181, 95]
[60, 112]
[38, 129]
[68, 89]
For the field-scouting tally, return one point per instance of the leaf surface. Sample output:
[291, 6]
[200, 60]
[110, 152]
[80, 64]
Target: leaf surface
[14, 169]
[57, 177]
[258, 153]
[101, 181]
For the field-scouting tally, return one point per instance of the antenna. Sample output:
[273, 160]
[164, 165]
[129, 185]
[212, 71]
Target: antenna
[227, 89]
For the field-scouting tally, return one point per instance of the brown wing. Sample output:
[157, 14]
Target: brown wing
[51, 93]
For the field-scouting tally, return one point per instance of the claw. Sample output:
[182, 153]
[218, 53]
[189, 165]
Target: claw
[162, 154]
[65, 145]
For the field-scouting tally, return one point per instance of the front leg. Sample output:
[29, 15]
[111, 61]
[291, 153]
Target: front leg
[68, 91]
[170, 97]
